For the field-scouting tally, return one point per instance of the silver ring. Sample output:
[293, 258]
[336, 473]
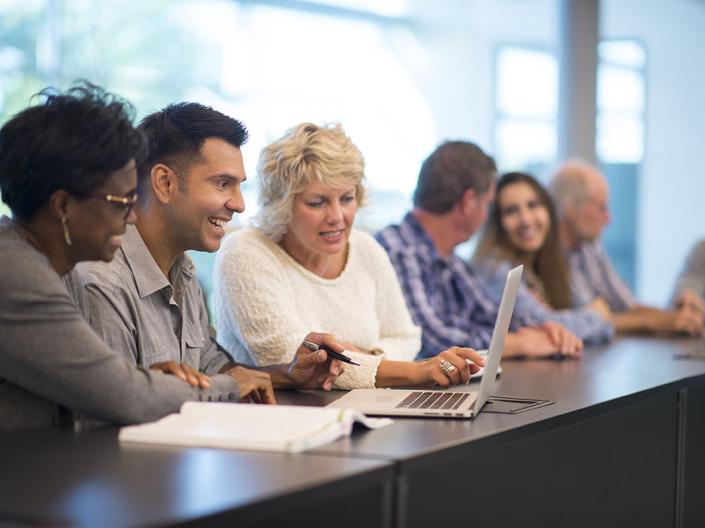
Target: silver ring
[447, 367]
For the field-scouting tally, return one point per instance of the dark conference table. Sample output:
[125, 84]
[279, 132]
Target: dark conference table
[58, 478]
[624, 445]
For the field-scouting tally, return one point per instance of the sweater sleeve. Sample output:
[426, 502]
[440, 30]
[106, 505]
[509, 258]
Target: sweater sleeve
[49, 350]
[259, 312]
[400, 338]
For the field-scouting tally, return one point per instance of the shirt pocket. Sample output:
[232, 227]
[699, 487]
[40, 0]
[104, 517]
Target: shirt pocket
[194, 341]
[158, 347]
[160, 354]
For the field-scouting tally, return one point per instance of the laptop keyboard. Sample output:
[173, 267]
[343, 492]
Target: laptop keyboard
[433, 400]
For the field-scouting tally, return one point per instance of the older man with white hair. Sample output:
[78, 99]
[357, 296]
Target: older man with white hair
[581, 193]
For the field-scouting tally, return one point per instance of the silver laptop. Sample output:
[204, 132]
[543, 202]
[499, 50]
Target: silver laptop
[449, 403]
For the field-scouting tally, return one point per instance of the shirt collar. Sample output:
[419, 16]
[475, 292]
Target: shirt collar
[148, 277]
[423, 238]
[580, 250]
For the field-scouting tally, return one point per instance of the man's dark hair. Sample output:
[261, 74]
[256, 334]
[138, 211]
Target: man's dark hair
[71, 141]
[448, 172]
[177, 133]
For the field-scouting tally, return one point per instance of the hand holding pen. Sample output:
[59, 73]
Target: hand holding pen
[313, 365]
[331, 353]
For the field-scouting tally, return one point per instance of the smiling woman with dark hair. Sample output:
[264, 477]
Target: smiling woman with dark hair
[522, 228]
[67, 173]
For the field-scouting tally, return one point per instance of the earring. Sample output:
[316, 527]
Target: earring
[67, 235]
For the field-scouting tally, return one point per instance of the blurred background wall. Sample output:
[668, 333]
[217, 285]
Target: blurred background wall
[402, 76]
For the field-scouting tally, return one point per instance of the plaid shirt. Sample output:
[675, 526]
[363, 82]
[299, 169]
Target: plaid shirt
[445, 296]
[592, 275]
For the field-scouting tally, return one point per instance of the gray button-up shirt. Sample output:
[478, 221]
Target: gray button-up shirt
[592, 275]
[138, 311]
[50, 359]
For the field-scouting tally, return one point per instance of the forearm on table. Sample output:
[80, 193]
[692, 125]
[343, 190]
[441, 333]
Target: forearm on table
[279, 374]
[639, 319]
[514, 346]
[396, 374]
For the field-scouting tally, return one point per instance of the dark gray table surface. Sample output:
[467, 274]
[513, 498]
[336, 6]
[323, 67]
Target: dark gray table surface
[621, 446]
[61, 478]
[606, 378]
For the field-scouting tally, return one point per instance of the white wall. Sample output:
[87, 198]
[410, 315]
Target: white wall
[672, 179]
[461, 37]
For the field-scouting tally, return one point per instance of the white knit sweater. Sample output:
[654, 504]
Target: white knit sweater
[266, 303]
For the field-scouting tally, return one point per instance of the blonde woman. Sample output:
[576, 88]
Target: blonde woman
[303, 266]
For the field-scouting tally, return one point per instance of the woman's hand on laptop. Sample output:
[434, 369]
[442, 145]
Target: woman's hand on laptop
[450, 367]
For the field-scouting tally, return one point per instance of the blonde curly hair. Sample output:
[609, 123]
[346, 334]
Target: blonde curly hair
[307, 153]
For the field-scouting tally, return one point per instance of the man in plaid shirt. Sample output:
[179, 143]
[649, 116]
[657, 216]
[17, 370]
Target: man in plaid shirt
[445, 296]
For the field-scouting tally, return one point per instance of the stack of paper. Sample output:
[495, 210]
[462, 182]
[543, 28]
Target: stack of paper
[248, 426]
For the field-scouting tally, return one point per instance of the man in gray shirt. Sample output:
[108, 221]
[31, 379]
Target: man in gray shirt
[147, 302]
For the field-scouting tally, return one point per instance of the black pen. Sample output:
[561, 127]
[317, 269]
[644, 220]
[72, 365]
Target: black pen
[331, 353]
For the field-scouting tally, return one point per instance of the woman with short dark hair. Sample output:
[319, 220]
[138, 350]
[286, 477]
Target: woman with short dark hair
[67, 173]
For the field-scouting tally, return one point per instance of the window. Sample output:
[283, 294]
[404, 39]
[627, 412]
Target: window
[620, 102]
[272, 66]
[619, 145]
[526, 91]
[526, 88]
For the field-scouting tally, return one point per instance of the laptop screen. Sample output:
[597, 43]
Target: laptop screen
[501, 326]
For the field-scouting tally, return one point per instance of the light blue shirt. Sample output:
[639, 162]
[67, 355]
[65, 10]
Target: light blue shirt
[584, 322]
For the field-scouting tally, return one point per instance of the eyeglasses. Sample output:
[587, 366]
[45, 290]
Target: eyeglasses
[126, 202]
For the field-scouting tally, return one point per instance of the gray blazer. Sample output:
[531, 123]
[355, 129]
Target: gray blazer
[52, 364]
